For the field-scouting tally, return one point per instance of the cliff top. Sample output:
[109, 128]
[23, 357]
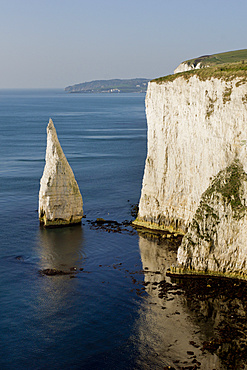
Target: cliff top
[227, 71]
[221, 58]
[226, 66]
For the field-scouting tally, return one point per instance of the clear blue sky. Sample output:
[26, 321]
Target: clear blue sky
[55, 43]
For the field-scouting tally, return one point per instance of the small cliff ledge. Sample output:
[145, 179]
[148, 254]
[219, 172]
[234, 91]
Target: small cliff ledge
[60, 200]
[196, 167]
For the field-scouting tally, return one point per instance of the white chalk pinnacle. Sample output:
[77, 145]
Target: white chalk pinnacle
[60, 200]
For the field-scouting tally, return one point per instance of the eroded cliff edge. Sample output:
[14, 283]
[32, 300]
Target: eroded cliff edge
[197, 131]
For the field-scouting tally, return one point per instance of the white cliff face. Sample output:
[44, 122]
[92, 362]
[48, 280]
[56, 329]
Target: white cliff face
[195, 129]
[60, 200]
[184, 67]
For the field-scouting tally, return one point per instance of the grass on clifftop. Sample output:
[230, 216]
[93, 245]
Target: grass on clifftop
[221, 58]
[227, 72]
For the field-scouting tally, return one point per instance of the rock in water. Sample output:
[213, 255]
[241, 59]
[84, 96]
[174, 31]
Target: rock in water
[60, 200]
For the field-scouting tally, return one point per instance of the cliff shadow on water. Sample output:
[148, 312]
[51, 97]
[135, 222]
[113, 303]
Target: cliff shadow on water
[194, 322]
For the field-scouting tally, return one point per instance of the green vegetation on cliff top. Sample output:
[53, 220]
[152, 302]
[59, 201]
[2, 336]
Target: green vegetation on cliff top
[226, 66]
[221, 58]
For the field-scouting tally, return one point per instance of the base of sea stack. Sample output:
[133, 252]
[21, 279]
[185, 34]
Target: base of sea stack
[59, 223]
[155, 227]
[180, 272]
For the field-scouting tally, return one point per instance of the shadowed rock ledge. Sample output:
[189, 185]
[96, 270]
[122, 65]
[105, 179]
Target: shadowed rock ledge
[60, 200]
[216, 240]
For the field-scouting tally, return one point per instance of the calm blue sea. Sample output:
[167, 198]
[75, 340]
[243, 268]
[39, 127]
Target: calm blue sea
[62, 322]
[111, 315]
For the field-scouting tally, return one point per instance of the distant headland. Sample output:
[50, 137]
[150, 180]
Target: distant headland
[136, 85]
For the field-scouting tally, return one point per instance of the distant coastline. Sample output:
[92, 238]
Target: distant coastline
[136, 85]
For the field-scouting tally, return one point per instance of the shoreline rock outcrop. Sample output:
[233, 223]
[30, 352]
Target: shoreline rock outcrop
[60, 200]
[217, 235]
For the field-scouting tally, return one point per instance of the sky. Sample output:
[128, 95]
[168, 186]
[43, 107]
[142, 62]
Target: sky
[56, 43]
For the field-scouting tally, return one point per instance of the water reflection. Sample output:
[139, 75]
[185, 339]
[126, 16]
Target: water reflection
[188, 322]
[61, 248]
[55, 297]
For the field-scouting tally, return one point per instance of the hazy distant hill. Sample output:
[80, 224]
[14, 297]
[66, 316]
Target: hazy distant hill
[110, 86]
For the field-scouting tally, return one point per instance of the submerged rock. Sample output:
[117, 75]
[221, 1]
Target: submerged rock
[54, 272]
[60, 200]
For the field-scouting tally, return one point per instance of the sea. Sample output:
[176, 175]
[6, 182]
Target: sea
[115, 308]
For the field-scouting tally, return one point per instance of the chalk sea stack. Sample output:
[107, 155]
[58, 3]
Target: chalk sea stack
[60, 200]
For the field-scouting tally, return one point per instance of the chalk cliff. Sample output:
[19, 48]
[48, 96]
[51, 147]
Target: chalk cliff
[60, 200]
[185, 66]
[197, 139]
